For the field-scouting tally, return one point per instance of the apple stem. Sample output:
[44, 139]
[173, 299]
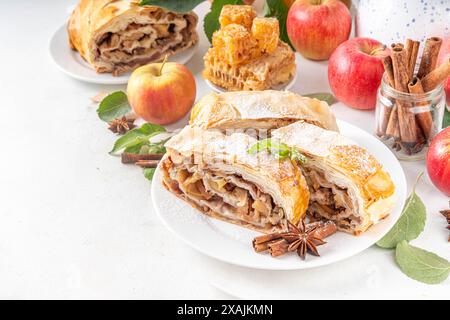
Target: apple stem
[376, 51]
[162, 65]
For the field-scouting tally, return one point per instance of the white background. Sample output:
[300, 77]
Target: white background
[76, 223]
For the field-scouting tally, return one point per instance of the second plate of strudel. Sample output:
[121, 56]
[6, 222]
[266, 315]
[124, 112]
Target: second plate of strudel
[208, 160]
[105, 40]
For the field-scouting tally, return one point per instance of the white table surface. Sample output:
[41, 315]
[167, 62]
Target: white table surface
[76, 223]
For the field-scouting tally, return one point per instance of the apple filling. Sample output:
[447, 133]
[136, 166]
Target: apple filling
[228, 196]
[146, 39]
[328, 201]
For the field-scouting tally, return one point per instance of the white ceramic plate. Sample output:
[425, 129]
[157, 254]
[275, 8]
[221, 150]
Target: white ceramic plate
[232, 244]
[71, 63]
[285, 86]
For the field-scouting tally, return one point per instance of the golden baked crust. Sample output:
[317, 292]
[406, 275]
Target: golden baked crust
[338, 161]
[267, 109]
[118, 36]
[214, 152]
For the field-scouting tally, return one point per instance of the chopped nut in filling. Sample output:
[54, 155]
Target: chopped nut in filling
[329, 201]
[227, 194]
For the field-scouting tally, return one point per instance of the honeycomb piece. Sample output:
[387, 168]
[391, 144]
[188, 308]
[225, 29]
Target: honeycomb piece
[239, 14]
[266, 31]
[235, 45]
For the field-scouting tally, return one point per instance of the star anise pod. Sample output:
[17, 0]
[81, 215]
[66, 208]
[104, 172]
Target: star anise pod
[303, 239]
[122, 125]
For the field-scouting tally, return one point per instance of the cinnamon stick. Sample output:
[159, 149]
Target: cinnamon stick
[147, 163]
[260, 247]
[406, 118]
[385, 112]
[421, 141]
[324, 230]
[266, 238]
[412, 50]
[429, 56]
[436, 77]
[392, 129]
[278, 247]
[399, 44]
[133, 158]
[423, 117]
[388, 68]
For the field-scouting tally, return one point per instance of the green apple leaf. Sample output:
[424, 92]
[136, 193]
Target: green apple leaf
[136, 149]
[211, 20]
[114, 105]
[180, 6]
[421, 265]
[279, 10]
[324, 96]
[149, 173]
[446, 122]
[410, 224]
[136, 137]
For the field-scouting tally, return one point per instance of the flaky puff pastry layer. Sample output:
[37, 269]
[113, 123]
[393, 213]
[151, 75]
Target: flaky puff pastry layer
[280, 179]
[258, 110]
[346, 165]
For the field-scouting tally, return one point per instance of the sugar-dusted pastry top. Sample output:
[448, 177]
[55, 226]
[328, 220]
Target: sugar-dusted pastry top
[260, 110]
[117, 36]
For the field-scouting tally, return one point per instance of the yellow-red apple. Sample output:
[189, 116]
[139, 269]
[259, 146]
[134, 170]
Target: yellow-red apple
[161, 93]
[317, 27]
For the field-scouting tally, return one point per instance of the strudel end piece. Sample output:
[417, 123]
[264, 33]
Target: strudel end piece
[118, 36]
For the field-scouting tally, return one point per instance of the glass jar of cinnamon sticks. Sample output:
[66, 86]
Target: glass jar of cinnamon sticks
[410, 106]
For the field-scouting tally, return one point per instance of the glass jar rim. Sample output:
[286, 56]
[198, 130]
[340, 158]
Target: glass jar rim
[413, 97]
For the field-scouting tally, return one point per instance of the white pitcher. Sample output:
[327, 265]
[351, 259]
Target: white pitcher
[391, 21]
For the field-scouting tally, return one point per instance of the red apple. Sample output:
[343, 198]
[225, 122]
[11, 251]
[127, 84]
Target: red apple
[438, 161]
[355, 71]
[289, 3]
[317, 27]
[161, 93]
[444, 54]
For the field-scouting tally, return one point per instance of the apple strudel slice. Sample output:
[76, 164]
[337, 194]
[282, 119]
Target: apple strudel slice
[260, 110]
[118, 35]
[214, 173]
[346, 183]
